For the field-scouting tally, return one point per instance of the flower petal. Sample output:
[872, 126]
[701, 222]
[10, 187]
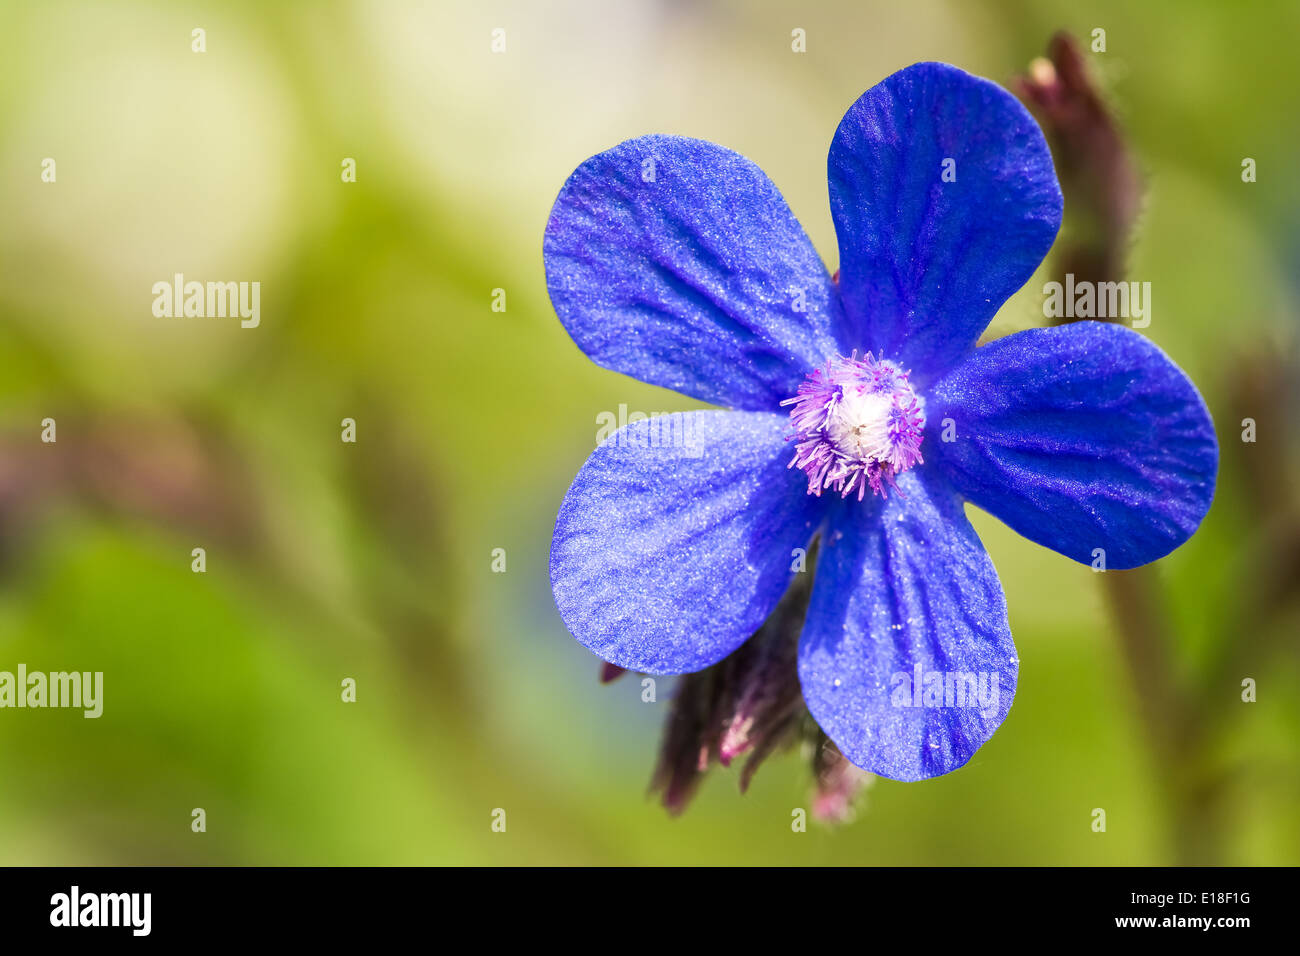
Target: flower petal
[902, 590]
[924, 263]
[677, 262]
[1080, 437]
[676, 539]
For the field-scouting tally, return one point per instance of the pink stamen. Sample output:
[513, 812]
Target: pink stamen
[857, 424]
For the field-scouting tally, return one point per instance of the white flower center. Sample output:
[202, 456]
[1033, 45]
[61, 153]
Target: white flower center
[859, 424]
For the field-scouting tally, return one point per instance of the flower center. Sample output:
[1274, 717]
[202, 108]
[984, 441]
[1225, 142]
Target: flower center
[857, 423]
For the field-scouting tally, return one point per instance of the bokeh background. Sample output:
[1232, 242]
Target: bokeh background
[373, 560]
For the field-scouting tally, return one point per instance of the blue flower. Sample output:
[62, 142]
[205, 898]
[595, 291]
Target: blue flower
[678, 262]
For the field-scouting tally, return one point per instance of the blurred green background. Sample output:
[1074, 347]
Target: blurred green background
[373, 560]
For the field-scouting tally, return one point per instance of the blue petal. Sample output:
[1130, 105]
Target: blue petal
[905, 585]
[677, 262]
[1080, 437]
[925, 264]
[677, 538]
